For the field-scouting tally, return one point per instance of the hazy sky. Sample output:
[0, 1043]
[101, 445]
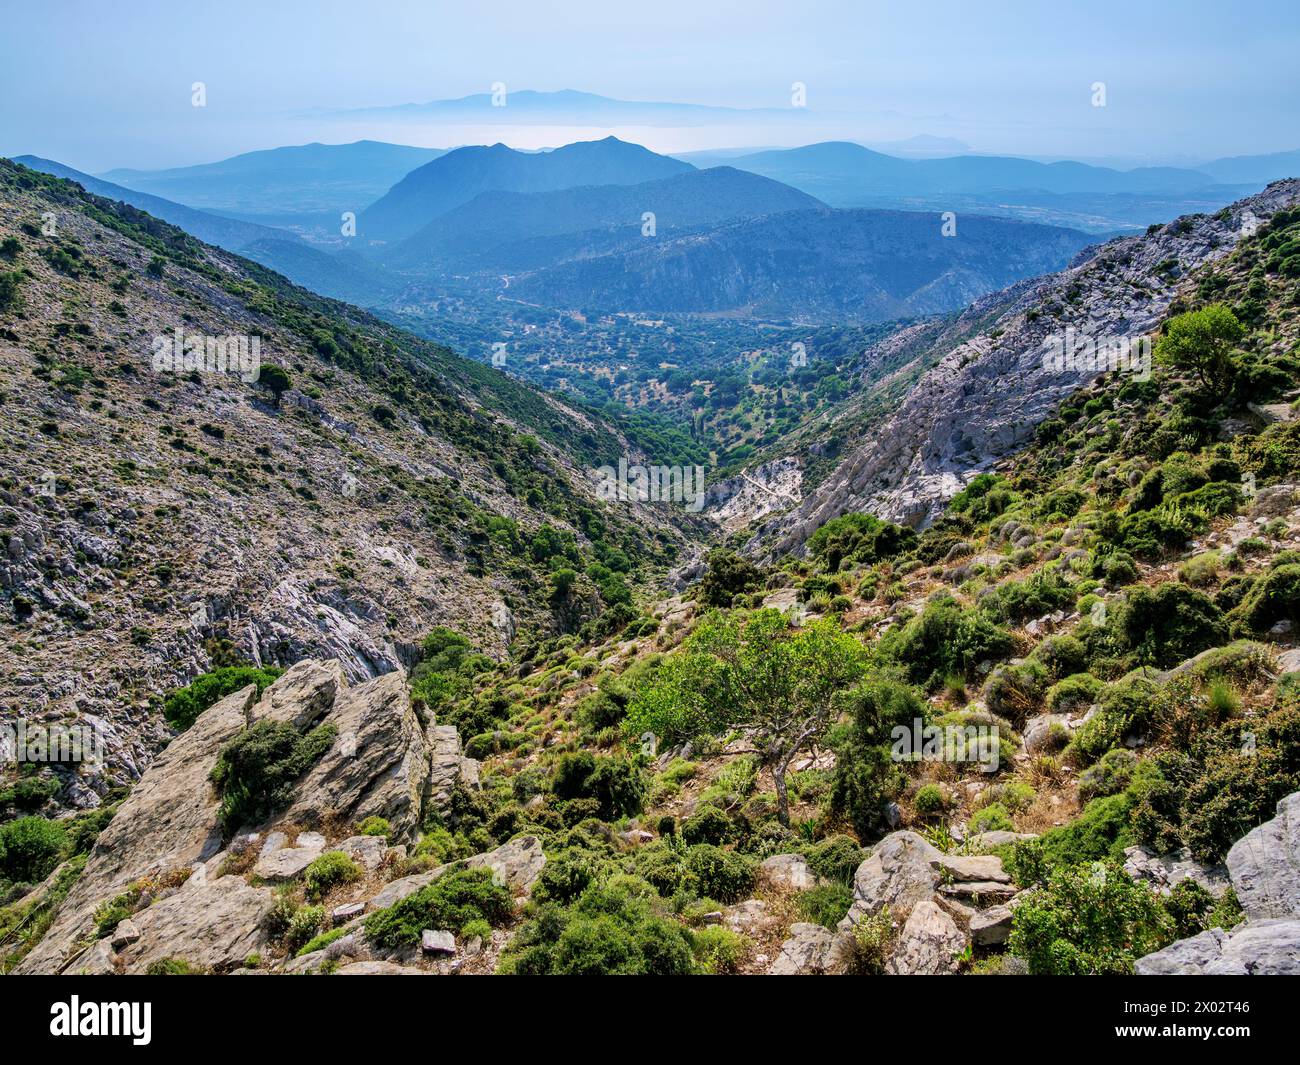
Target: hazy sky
[100, 85]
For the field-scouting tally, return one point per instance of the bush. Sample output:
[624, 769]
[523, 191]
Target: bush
[718, 950]
[451, 901]
[615, 784]
[1015, 692]
[835, 858]
[727, 576]
[1170, 624]
[30, 848]
[709, 825]
[1088, 920]
[256, 771]
[858, 539]
[331, 868]
[866, 775]
[930, 800]
[1073, 693]
[1109, 776]
[943, 640]
[375, 826]
[825, 904]
[1274, 598]
[722, 875]
[304, 925]
[608, 932]
[182, 706]
[992, 818]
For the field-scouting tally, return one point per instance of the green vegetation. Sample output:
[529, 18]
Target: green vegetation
[182, 706]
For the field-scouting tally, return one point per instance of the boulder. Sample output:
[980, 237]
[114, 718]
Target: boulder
[928, 945]
[1265, 864]
[809, 951]
[1268, 947]
[1164, 872]
[991, 927]
[437, 943]
[288, 862]
[377, 968]
[366, 851]
[788, 871]
[898, 874]
[968, 868]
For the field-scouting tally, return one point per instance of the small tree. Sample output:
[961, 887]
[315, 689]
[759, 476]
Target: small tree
[754, 672]
[276, 379]
[1202, 342]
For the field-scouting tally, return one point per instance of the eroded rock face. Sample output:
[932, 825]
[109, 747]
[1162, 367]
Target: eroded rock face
[991, 386]
[809, 951]
[1265, 869]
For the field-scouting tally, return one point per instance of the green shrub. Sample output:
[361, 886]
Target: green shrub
[321, 941]
[1088, 920]
[1102, 831]
[1073, 693]
[722, 875]
[825, 904]
[30, 848]
[331, 868]
[930, 800]
[1274, 598]
[866, 776]
[943, 640]
[991, 818]
[719, 951]
[182, 706]
[451, 901]
[708, 825]
[860, 539]
[615, 784]
[375, 826]
[1170, 624]
[1109, 776]
[256, 771]
[835, 858]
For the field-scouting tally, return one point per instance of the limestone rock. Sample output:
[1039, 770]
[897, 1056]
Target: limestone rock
[439, 943]
[928, 945]
[517, 863]
[898, 874]
[806, 953]
[1265, 864]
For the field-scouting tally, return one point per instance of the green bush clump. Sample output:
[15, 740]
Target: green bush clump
[1171, 623]
[708, 825]
[607, 932]
[1111, 774]
[866, 775]
[614, 784]
[1274, 598]
[835, 858]
[1015, 692]
[184, 705]
[1062, 656]
[719, 951]
[1075, 692]
[451, 901]
[1124, 708]
[860, 539]
[1088, 920]
[256, 771]
[1102, 831]
[992, 818]
[173, 967]
[569, 873]
[727, 576]
[945, 639]
[930, 800]
[720, 874]
[331, 868]
[825, 904]
[375, 826]
[30, 848]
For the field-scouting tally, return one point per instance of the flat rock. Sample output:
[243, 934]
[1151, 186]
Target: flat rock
[377, 968]
[517, 863]
[1166, 871]
[1257, 948]
[367, 851]
[980, 890]
[991, 927]
[810, 951]
[286, 863]
[982, 867]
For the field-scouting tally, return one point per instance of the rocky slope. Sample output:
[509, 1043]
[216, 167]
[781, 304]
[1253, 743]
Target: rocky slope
[157, 523]
[988, 392]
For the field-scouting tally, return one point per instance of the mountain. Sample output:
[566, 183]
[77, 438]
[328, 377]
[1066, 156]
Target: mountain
[988, 386]
[191, 514]
[459, 176]
[1254, 169]
[228, 233]
[838, 170]
[505, 232]
[812, 265]
[302, 179]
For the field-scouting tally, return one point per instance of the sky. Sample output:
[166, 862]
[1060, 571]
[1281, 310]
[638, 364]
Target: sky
[104, 85]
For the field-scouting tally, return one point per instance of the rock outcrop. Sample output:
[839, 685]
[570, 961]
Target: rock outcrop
[166, 850]
[1265, 869]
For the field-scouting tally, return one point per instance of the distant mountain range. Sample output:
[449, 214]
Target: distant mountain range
[301, 179]
[459, 176]
[813, 265]
[507, 232]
